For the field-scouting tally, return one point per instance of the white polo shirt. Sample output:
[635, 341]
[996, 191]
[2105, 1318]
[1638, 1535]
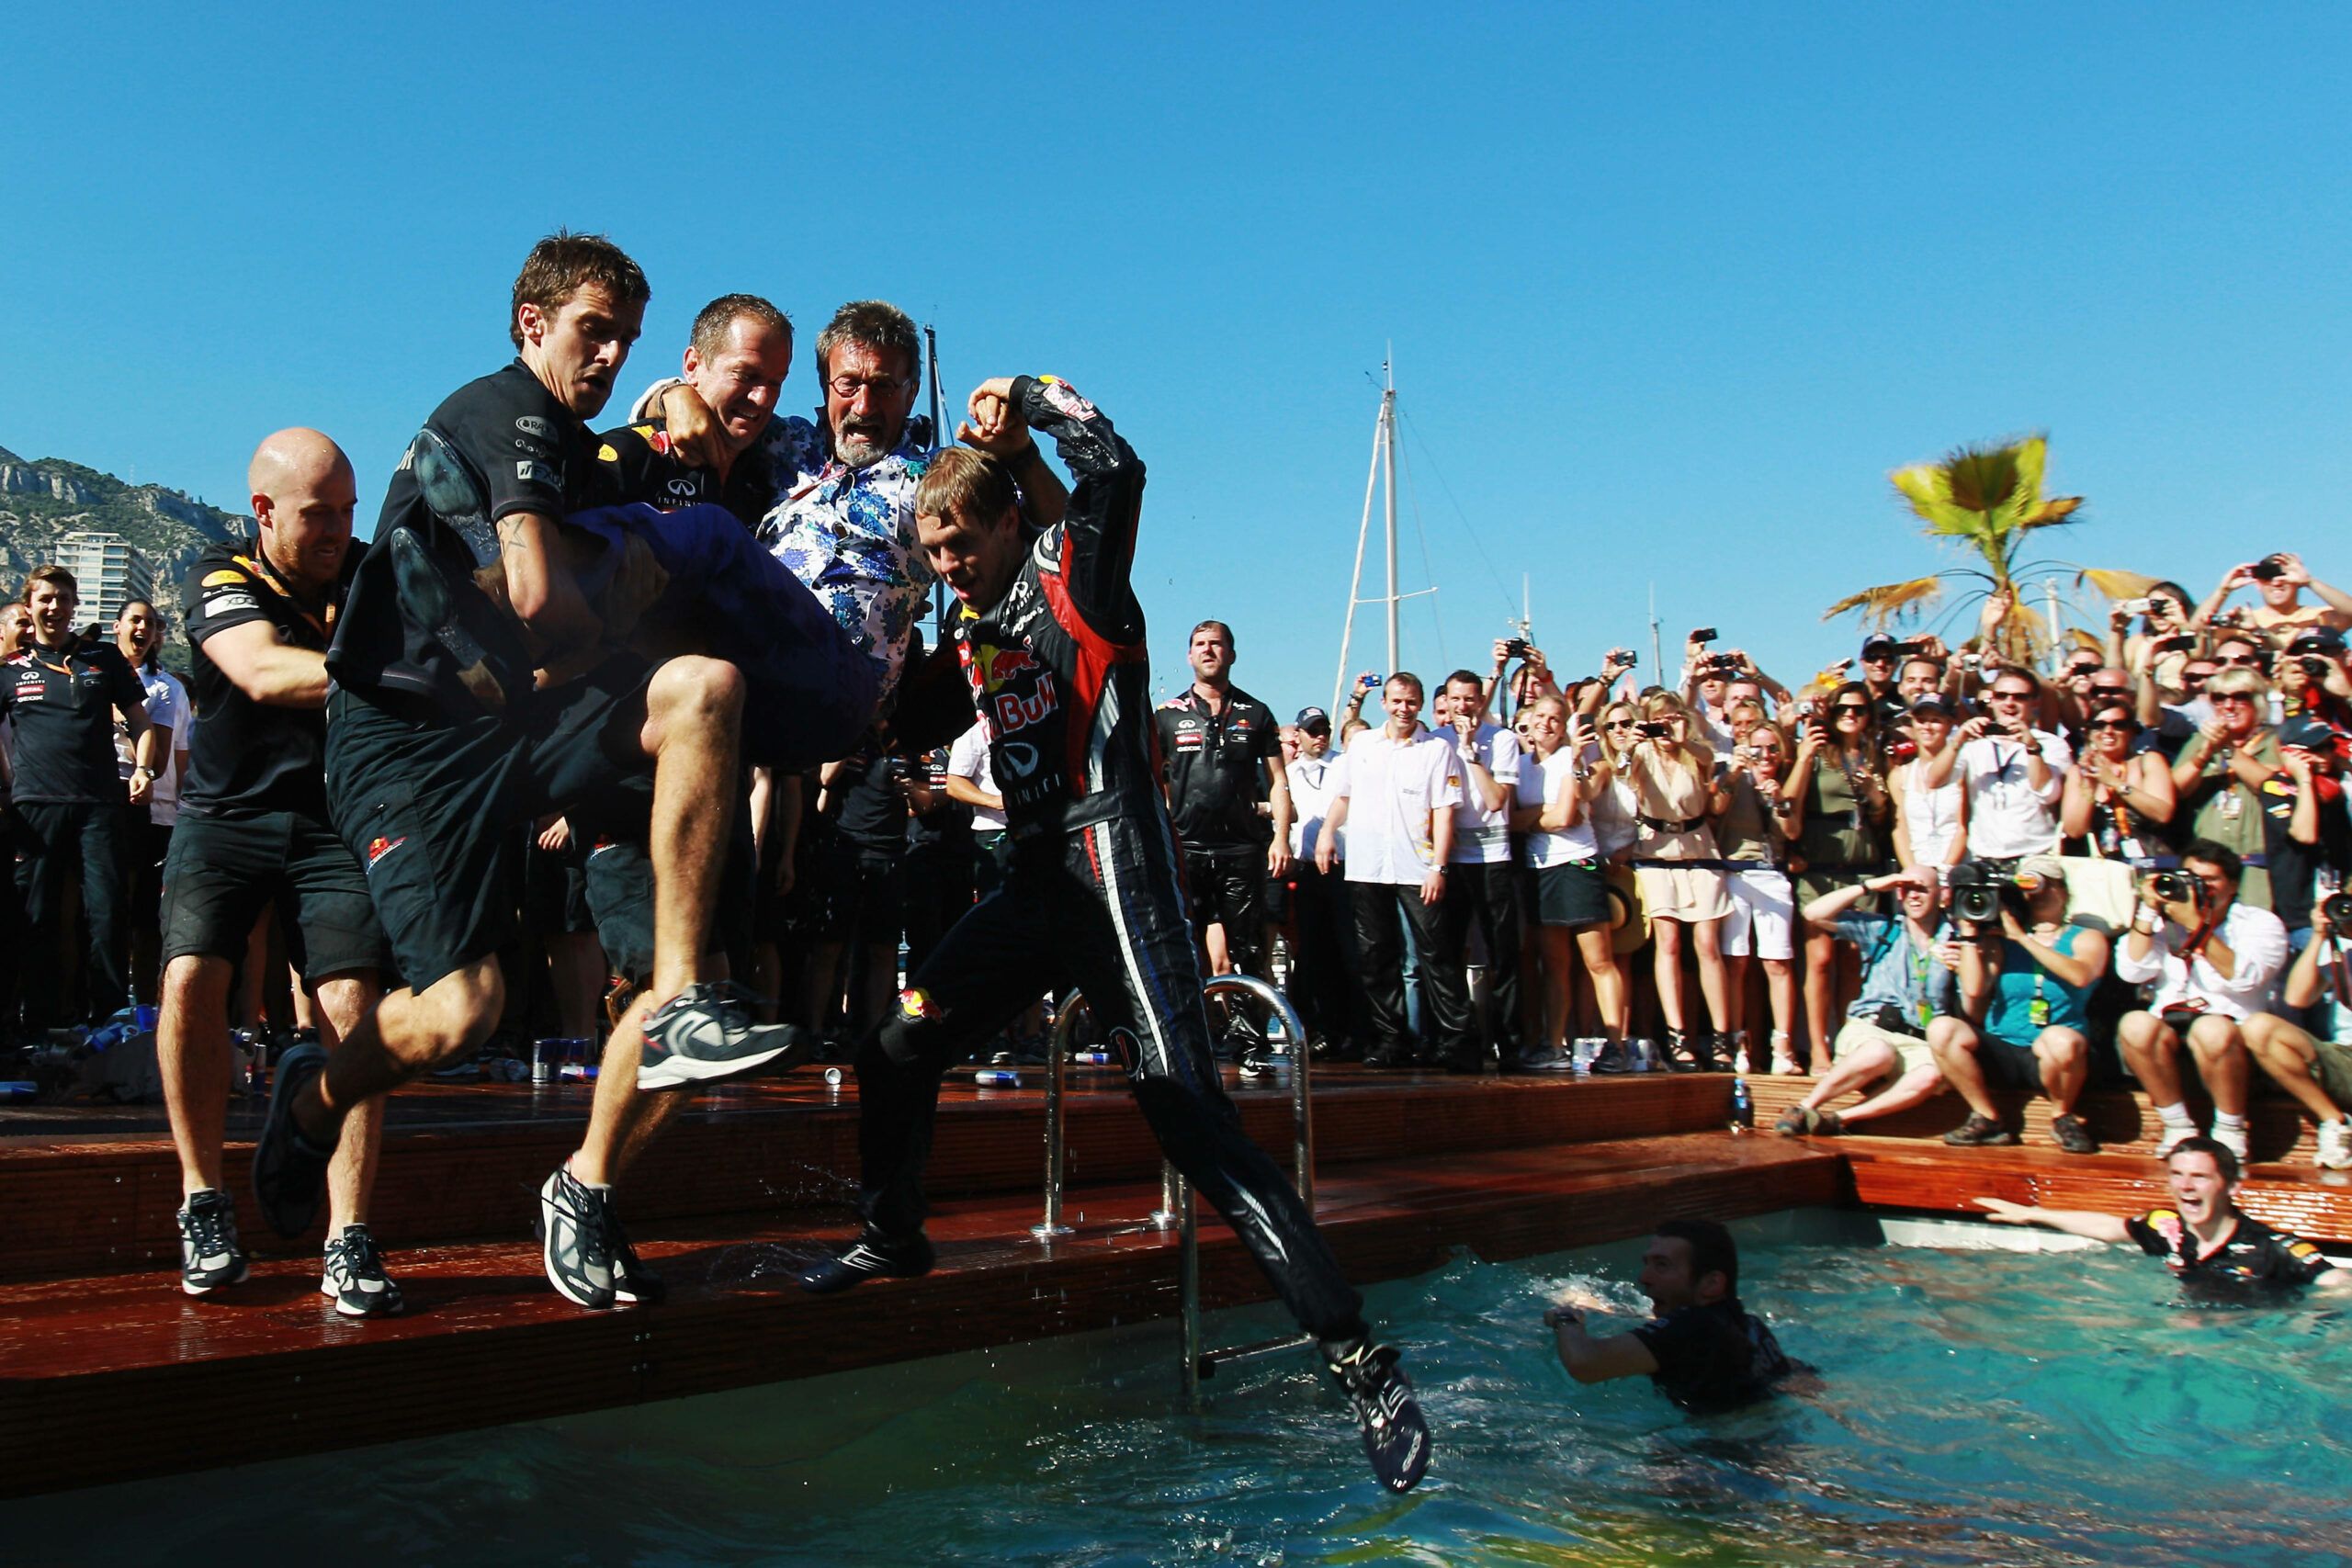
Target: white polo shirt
[1546, 783]
[1312, 780]
[1482, 837]
[1393, 789]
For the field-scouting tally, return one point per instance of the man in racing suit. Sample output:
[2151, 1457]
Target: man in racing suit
[1051, 641]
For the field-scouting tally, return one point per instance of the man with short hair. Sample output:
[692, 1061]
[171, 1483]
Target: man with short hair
[1480, 891]
[1906, 989]
[1396, 800]
[2211, 1245]
[1052, 641]
[61, 693]
[139, 636]
[1220, 754]
[2214, 960]
[253, 836]
[1701, 1348]
[2016, 774]
[475, 691]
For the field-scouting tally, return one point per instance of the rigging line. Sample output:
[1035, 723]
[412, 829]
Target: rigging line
[1475, 543]
[1429, 573]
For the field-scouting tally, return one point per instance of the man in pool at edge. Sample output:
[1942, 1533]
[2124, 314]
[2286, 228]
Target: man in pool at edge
[1702, 1350]
[2205, 1238]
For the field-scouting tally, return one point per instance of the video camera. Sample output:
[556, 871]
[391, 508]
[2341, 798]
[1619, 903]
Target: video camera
[2176, 887]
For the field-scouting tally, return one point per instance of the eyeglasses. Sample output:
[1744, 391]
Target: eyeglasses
[2112, 691]
[846, 388]
[2082, 668]
[2237, 699]
[2001, 696]
[2187, 676]
[1850, 707]
[1619, 724]
[2243, 660]
[2113, 723]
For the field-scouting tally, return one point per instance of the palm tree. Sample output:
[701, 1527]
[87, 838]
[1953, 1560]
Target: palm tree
[1987, 499]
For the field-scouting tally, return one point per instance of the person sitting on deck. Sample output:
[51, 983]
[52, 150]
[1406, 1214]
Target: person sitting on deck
[1905, 983]
[1702, 1350]
[2317, 1072]
[2205, 1238]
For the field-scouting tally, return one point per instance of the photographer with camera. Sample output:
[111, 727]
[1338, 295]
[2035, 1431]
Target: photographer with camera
[2314, 1064]
[2223, 776]
[1882, 657]
[2213, 959]
[1713, 683]
[1930, 822]
[1679, 871]
[2015, 774]
[1480, 888]
[2162, 645]
[1570, 907]
[2279, 580]
[2311, 680]
[2118, 803]
[1907, 983]
[2028, 975]
[1532, 680]
[1754, 821]
[1845, 808]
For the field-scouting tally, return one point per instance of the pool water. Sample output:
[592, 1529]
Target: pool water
[1977, 1407]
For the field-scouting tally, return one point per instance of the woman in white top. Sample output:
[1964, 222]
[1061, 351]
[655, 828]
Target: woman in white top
[1563, 853]
[1930, 825]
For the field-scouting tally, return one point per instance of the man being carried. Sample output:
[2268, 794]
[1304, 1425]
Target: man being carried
[2210, 1244]
[254, 833]
[1702, 1350]
[1051, 639]
[449, 728]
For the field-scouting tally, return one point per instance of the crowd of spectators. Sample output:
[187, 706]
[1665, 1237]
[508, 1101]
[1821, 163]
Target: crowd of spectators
[1928, 870]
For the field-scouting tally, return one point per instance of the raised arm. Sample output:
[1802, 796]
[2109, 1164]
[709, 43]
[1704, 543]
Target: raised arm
[1105, 505]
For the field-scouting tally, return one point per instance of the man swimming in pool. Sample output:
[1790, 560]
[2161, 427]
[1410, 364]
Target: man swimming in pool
[2205, 1238]
[1702, 1350]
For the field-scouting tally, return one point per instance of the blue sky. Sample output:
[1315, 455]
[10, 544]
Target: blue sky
[1671, 287]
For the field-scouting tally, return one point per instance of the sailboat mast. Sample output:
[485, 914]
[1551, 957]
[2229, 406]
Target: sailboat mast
[1388, 455]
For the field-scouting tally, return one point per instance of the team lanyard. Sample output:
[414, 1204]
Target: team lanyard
[285, 590]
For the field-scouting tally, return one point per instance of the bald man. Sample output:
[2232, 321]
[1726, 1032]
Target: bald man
[253, 831]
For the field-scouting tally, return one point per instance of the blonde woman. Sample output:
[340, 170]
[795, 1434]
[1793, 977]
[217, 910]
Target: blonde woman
[1562, 854]
[1671, 775]
[1754, 822]
[1930, 821]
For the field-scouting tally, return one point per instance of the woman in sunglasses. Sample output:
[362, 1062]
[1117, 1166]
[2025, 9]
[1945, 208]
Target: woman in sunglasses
[1836, 779]
[2156, 649]
[1675, 859]
[2117, 806]
[2219, 776]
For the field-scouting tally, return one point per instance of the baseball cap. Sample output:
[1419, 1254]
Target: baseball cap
[2049, 868]
[1312, 716]
[1878, 644]
[2310, 734]
[1932, 702]
[2317, 639]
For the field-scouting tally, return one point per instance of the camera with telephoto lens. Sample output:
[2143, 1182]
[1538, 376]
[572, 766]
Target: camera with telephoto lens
[2176, 887]
[2337, 907]
[1976, 892]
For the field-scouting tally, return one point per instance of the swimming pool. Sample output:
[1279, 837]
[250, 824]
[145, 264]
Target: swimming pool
[1978, 1407]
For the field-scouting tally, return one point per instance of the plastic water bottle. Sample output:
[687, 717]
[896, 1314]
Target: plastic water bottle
[833, 1076]
[1742, 1107]
[997, 1077]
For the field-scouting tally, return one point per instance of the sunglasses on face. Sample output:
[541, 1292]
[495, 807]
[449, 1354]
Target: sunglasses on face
[2082, 668]
[2233, 699]
[1619, 724]
[2113, 723]
[2010, 697]
[1851, 707]
[2190, 677]
[2112, 691]
[2244, 661]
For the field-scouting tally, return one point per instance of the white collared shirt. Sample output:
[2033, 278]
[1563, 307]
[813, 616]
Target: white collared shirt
[1482, 837]
[1394, 790]
[2256, 937]
[2008, 817]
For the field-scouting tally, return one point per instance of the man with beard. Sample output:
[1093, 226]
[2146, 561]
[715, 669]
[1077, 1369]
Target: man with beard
[1052, 642]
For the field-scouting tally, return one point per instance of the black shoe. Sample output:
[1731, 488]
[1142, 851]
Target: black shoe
[707, 1032]
[1256, 1062]
[1613, 1058]
[1712, 1051]
[872, 1256]
[2068, 1133]
[290, 1171]
[1979, 1131]
[355, 1278]
[1395, 1437]
[1681, 1054]
[1464, 1064]
[210, 1255]
[1391, 1058]
[1543, 1060]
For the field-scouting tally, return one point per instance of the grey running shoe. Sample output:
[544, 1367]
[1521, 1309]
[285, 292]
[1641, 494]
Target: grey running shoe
[210, 1255]
[707, 1032]
[290, 1171]
[1979, 1131]
[2068, 1133]
[575, 1245]
[1395, 1437]
[355, 1279]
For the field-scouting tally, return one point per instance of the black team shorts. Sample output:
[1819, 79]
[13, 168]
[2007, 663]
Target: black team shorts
[434, 805]
[222, 871]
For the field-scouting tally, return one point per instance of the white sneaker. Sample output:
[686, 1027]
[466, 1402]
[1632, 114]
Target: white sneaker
[2175, 1135]
[2232, 1139]
[2335, 1145]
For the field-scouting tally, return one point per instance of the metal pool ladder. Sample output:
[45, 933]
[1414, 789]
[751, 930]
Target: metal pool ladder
[1176, 1208]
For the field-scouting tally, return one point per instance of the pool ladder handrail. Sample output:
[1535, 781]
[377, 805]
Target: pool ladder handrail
[1176, 1206]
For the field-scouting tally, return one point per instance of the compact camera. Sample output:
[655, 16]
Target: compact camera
[1655, 730]
[2269, 569]
[1515, 647]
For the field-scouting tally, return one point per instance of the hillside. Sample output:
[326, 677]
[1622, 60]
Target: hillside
[44, 500]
